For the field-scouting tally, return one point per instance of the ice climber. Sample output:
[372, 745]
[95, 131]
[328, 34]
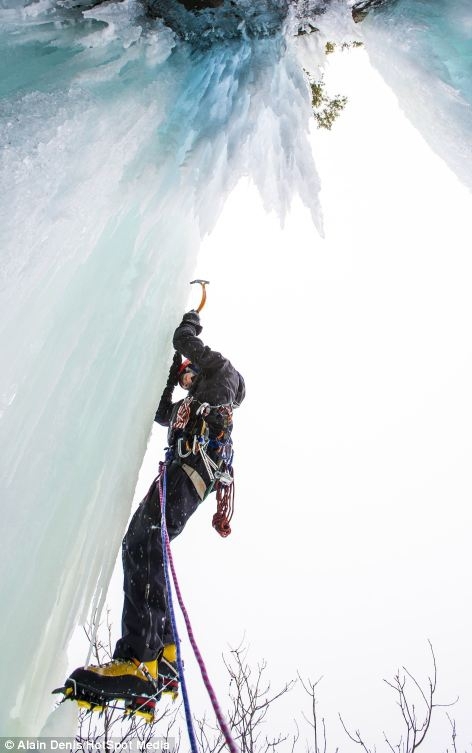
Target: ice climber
[200, 445]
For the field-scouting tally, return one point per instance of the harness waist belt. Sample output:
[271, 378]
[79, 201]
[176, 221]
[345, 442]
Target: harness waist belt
[196, 480]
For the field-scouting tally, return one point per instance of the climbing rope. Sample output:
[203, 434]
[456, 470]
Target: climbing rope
[168, 562]
[170, 606]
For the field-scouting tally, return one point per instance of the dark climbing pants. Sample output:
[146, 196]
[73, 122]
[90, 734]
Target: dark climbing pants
[145, 625]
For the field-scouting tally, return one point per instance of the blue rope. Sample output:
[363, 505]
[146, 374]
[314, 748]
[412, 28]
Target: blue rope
[170, 607]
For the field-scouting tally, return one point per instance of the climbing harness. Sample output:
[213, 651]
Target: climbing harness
[192, 422]
[169, 565]
[197, 481]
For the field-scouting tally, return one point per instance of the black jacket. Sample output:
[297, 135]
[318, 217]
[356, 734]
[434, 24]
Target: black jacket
[217, 383]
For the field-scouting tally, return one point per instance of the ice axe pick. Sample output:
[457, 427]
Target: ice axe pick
[204, 295]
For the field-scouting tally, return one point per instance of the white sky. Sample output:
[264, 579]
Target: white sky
[351, 536]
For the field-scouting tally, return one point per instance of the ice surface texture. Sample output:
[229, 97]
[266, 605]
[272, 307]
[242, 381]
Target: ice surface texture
[120, 144]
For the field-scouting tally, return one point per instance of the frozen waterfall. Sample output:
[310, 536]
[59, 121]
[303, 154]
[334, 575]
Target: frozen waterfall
[424, 51]
[122, 138]
[119, 147]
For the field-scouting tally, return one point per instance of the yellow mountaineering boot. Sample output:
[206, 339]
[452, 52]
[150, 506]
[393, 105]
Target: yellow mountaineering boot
[168, 672]
[119, 678]
[129, 680]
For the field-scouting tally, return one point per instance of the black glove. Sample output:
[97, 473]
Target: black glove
[173, 378]
[192, 317]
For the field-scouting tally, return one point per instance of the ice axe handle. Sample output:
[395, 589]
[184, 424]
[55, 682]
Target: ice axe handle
[204, 295]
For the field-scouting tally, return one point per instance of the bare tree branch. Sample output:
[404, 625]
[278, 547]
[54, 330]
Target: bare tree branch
[356, 737]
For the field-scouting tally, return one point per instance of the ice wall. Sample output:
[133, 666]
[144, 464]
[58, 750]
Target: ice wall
[120, 143]
[119, 147]
[423, 49]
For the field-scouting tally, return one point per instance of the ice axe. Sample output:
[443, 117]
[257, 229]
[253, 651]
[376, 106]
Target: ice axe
[204, 295]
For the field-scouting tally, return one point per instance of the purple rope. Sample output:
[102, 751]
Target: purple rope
[214, 702]
[170, 605]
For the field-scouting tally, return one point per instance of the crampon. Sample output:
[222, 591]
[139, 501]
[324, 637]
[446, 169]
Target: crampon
[131, 705]
[142, 707]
